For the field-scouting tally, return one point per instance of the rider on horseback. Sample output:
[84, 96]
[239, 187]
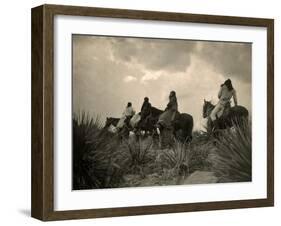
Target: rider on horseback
[126, 116]
[225, 94]
[146, 108]
[173, 104]
[168, 116]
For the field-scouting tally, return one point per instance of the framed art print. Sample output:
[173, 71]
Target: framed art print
[141, 112]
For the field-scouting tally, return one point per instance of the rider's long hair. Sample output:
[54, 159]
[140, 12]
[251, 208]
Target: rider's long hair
[228, 84]
[172, 93]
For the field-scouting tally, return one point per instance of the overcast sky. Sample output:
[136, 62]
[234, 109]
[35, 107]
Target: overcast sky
[108, 72]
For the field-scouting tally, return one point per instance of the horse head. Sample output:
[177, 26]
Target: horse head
[107, 122]
[111, 121]
[207, 108]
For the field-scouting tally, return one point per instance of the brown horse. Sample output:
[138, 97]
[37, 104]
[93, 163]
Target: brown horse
[231, 115]
[181, 129]
[148, 123]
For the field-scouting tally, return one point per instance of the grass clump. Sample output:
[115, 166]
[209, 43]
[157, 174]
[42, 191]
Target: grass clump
[96, 161]
[177, 158]
[102, 160]
[232, 156]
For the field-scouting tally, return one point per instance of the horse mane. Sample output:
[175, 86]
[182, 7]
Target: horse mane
[111, 120]
[210, 103]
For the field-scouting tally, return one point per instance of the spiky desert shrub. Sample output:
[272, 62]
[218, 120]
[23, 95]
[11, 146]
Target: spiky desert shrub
[232, 156]
[200, 148]
[199, 157]
[139, 153]
[177, 158]
[94, 155]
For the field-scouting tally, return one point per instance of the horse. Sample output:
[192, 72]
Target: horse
[111, 121]
[181, 128]
[111, 126]
[230, 117]
[148, 123]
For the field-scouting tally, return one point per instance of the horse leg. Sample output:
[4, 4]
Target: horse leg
[209, 125]
[159, 137]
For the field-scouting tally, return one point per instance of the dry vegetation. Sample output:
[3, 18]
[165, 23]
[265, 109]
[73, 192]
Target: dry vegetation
[101, 160]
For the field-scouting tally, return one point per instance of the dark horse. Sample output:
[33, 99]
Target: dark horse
[148, 123]
[111, 121]
[230, 116]
[182, 126]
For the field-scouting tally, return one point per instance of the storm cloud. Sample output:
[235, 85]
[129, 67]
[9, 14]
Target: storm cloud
[154, 54]
[230, 59]
[110, 71]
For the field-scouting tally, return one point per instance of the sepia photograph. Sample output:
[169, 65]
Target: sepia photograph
[160, 112]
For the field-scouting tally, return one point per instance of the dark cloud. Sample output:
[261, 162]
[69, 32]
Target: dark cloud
[155, 54]
[230, 59]
[108, 72]
[98, 78]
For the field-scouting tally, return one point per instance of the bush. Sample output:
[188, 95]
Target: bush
[182, 159]
[95, 154]
[232, 155]
[101, 160]
[139, 152]
[200, 148]
[177, 158]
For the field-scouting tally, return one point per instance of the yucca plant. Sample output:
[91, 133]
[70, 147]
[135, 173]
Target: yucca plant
[177, 158]
[200, 148]
[94, 151]
[138, 152]
[232, 154]
[199, 157]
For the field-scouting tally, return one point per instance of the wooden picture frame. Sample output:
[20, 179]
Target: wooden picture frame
[42, 205]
